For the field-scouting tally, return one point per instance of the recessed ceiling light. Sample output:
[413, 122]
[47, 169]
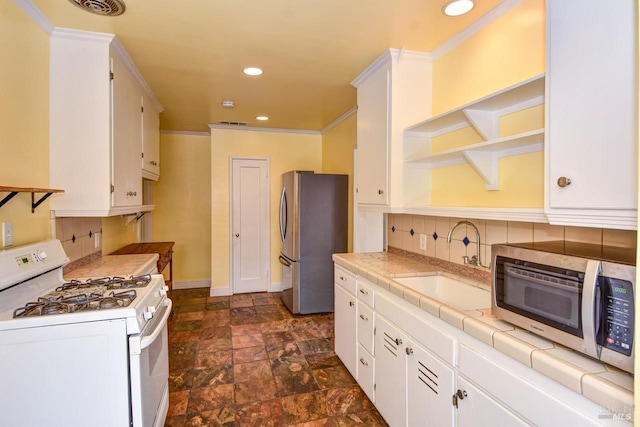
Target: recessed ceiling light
[262, 118]
[457, 7]
[252, 71]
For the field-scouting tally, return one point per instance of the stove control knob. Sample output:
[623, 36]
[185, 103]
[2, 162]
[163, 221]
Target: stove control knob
[151, 309]
[163, 291]
[40, 255]
[148, 315]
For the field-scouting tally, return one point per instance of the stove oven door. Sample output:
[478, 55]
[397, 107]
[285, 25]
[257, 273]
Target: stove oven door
[149, 364]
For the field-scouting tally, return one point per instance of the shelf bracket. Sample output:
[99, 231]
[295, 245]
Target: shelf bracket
[487, 164]
[35, 204]
[485, 122]
[8, 197]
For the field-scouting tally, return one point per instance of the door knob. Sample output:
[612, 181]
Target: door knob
[563, 181]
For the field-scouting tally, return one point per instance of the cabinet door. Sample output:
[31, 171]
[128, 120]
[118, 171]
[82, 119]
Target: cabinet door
[345, 328]
[126, 147]
[592, 104]
[365, 327]
[366, 371]
[373, 139]
[429, 389]
[476, 408]
[150, 140]
[390, 373]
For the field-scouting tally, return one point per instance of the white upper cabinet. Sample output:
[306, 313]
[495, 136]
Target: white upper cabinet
[394, 92]
[150, 139]
[96, 127]
[591, 113]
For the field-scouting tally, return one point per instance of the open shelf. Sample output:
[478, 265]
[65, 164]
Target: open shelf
[484, 116]
[13, 191]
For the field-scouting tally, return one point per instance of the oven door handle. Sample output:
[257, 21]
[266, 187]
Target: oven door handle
[138, 344]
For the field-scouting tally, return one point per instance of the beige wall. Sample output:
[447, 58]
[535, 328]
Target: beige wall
[24, 120]
[285, 151]
[337, 157]
[183, 205]
[507, 51]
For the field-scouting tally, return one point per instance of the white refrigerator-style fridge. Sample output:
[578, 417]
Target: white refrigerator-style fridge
[313, 226]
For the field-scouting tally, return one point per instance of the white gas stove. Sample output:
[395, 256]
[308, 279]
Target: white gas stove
[50, 327]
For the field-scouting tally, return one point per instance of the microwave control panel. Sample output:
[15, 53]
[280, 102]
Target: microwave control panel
[616, 331]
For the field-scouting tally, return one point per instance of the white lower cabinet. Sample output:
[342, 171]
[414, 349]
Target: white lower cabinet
[419, 370]
[476, 408]
[430, 385]
[345, 312]
[390, 374]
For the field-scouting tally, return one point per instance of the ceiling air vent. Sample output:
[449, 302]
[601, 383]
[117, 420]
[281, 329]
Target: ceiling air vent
[226, 122]
[101, 7]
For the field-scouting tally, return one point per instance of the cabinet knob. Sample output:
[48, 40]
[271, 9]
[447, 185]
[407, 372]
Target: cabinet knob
[237, 235]
[380, 192]
[363, 292]
[461, 394]
[409, 351]
[563, 181]
[351, 304]
[398, 341]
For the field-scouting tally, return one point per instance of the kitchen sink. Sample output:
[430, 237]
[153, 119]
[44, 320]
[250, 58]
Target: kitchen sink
[451, 292]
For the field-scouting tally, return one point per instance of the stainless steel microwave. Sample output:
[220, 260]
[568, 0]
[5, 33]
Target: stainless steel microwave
[578, 295]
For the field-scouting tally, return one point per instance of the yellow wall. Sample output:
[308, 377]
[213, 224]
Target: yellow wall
[509, 50]
[24, 120]
[285, 151]
[337, 157]
[183, 200]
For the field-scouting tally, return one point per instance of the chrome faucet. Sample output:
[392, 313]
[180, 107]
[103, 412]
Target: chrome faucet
[476, 259]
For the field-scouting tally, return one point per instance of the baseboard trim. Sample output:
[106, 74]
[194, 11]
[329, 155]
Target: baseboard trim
[275, 287]
[191, 284]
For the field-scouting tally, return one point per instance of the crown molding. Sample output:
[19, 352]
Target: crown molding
[475, 27]
[35, 14]
[339, 120]
[261, 129]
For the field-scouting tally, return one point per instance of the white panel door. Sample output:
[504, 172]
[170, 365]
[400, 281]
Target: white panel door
[250, 225]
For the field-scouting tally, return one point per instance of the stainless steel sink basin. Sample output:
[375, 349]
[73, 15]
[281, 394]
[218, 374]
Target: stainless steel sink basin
[451, 292]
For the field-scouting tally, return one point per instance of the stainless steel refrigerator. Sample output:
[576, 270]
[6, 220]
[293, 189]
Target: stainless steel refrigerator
[313, 226]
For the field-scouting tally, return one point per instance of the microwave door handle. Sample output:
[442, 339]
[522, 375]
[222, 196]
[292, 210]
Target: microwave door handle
[589, 318]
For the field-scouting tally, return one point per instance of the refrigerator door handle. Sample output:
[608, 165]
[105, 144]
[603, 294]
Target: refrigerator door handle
[283, 214]
[284, 261]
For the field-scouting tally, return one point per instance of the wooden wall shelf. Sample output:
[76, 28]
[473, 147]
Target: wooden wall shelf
[13, 191]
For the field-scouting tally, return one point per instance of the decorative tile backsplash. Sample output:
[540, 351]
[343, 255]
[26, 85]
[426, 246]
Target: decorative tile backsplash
[404, 230]
[80, 237]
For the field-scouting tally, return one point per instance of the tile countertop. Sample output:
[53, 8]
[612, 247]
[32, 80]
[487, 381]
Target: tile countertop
[115, 265]
[601, 383]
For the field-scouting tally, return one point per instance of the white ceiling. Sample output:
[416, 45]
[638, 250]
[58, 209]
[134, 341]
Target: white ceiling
[192, 52]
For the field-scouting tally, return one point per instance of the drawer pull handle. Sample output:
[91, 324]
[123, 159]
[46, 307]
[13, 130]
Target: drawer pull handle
[351, 304]
[342, 278]
[363, 317]
[364, 362]
[363, 292]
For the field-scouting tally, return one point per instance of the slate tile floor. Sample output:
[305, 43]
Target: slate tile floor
[244, 360]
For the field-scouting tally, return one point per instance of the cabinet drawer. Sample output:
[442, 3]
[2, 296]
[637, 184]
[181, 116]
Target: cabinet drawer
[365, 327]
[346, 279]
[365, 292]
[366, 370]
